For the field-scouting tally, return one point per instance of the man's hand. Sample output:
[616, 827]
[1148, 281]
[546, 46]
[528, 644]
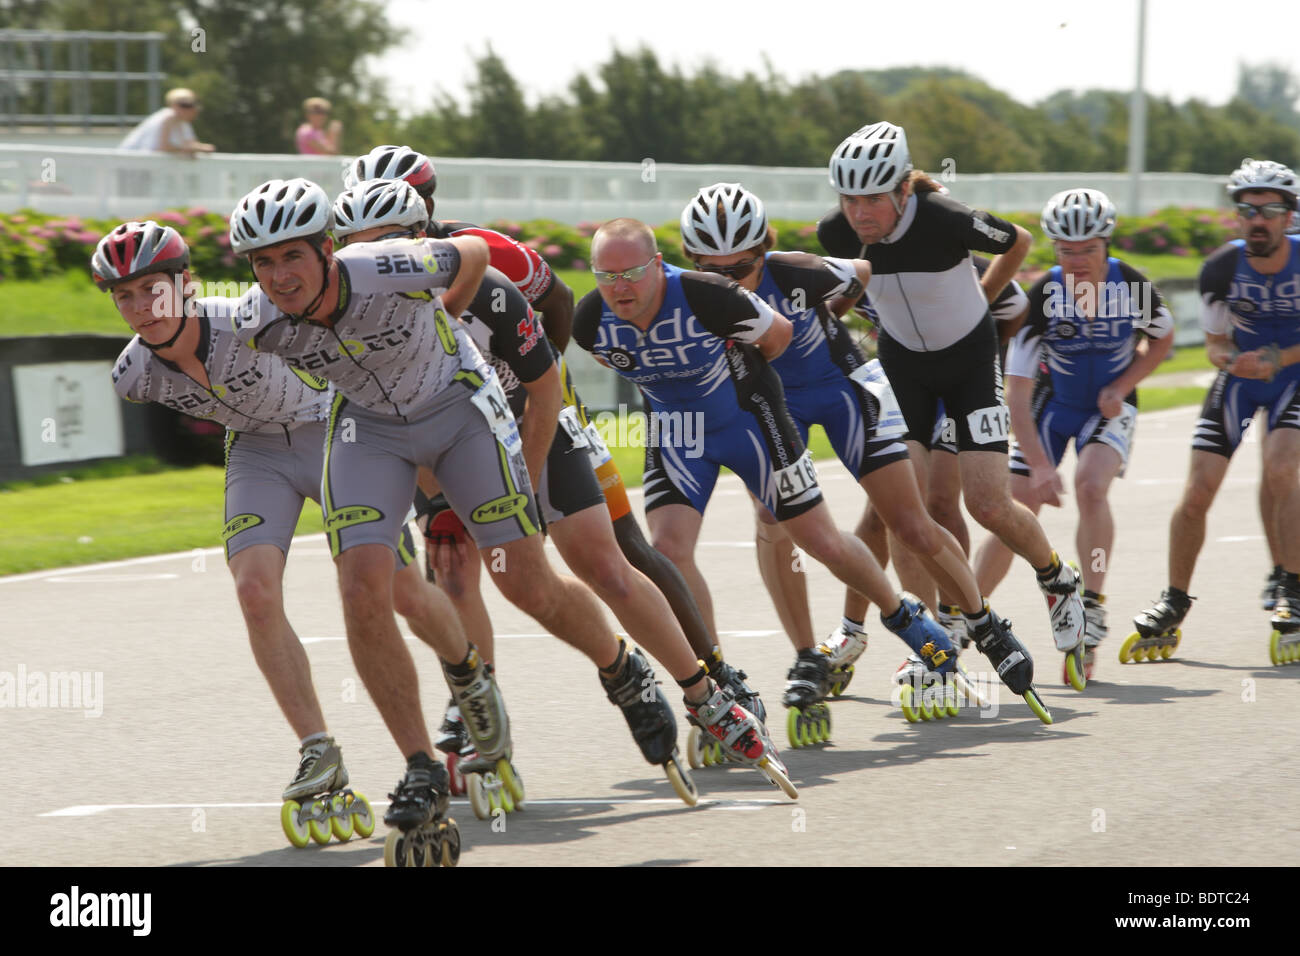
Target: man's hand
[1262, 364]
[446, 542]
[1110, 402]
[1046, 484]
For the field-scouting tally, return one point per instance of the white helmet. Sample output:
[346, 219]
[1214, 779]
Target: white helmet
[378, 202]
[872, 160]
[393, 162]
[722, 219]
[277, 211]
[1263, 174]
[1078, 214]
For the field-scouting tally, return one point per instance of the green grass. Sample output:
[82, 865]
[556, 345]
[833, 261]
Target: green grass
[1155, 399]
[1192, 359]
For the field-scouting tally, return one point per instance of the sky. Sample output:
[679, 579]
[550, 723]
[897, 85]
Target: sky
[1026, 49]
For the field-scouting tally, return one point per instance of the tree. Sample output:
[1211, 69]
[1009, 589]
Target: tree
[1272, 89]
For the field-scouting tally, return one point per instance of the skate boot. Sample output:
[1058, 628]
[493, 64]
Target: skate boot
[1065, 608]
[843, 648]
[422, 834]
[483, 763]
[1094, 629]
[1284, 642]
[633, 688]
[1268, 597]
[742, 737]
[1158, 632]
[318, 802]
[924, 691]
[808, 720]
[702, 748]
[952, 620]
[451, 740]
[1010, 659]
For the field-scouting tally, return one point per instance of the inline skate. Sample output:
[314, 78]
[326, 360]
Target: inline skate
[742, 737]
[1158, 631]
[1284, 641]
[422, 834]
[1065, 607]
[318, 802]
[842, 649]
[702, 749]
[1010, 658]
[808, 720]
[484, 759]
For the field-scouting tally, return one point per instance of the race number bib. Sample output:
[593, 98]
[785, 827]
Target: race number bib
[572, 427]
[491, 401]
[795, 481]
[889, 417]
[596, 448]
[989, 425]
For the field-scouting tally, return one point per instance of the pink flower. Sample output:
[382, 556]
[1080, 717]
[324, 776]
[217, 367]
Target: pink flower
[228, 260]
[223, 240]
[205, 232]
[17, 219]
[196, 212]
[552, 251]
[1160, 242]
[1126, 243]
[579, 265]
[1180, 251]
[173, 217]
[587, 229]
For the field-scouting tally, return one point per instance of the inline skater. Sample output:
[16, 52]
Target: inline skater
[414, 390]
[699, 346]
[725, 231]
[509, 336]
[1252, 336]
[937, 339]
[185, 355]
[1102, 327]
[548, 294]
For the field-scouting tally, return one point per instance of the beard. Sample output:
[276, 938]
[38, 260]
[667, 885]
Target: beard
[1261, 245]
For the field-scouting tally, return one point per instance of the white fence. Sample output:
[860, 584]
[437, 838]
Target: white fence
[110, 183]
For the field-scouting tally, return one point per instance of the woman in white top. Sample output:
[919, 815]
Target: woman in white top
[168, 130]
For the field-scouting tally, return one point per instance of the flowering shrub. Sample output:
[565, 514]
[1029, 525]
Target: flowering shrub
[34, 245]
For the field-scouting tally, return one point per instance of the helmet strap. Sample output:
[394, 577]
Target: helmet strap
[185, 317]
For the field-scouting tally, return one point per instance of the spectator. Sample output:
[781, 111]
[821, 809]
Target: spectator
[313, 137]
[168, 130]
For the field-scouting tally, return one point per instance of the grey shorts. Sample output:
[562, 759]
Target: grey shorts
[371, 461]
[268, 477]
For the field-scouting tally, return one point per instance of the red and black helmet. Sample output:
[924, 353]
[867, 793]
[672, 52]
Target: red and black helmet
[136, 249]
[394, 162]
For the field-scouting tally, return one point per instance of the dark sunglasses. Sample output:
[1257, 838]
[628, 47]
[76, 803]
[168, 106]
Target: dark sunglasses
[1269, 210]
[737, 270]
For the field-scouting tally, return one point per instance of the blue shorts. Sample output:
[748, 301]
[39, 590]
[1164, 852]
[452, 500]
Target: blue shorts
[1231, 404]
[865, 431]
[1058, 423]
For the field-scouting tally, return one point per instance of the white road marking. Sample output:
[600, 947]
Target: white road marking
[1241, 537]
[114, 578]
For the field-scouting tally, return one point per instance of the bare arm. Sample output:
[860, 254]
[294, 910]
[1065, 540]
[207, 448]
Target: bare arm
[777, 337]
[1007, 330]
[557, 313]
[842, 303]
[473, 263]
[1003, 268]
[541, 414]
[1042, 474]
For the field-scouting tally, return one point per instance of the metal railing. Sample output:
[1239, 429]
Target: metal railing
[30, 72]
[118, 183]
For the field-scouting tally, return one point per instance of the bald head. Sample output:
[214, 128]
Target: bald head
[632, 232]
[179, 95]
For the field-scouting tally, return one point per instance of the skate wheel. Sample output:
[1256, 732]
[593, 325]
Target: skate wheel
[1036, 705]
[826, 727]
[694, 748]
[319, 824]
[479, 799]
[363, 818]
[398, 850]
[1126, 649]
[511, 781]
[1074, 675]
[340, 818]
[793, 729]
[1274, 655]
[297, 831]
[907, 700]
[682, 782]
[927, 706]
[450, 843]
[950, 698]
[775, 774]
[457, 778]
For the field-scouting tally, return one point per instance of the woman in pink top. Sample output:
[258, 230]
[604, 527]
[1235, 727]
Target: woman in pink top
[313, 137]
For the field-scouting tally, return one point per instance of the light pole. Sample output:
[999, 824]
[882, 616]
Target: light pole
[1137, 121]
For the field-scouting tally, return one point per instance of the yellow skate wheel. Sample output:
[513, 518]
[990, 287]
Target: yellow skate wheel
[1167, 650]
[695, 748]
[478, 798]
[950, 698]
[340, 819]
[1036, 705]
[1126, 649]
[1274, 655]
[774, 774]
[1074, 671]
[1139, 653]
[512, 781]
[320, 829]
[363, 818]
[450, 843]
[792, 728]
[907, 700]
[927, 706]
[398, 850]
[297, 832]
[682, 782]
[506, 798]
[826, 727]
